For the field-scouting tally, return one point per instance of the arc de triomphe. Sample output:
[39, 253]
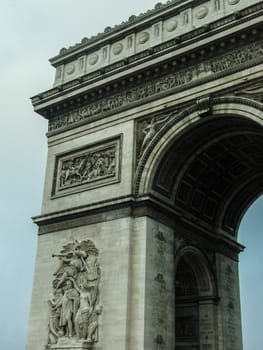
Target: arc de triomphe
[155, 151]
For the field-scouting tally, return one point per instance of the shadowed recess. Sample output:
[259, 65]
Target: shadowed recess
[214, 171]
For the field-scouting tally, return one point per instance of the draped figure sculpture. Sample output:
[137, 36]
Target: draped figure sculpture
[74, 307]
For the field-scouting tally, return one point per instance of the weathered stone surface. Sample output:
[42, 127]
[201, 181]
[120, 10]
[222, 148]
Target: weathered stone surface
[154, 153]
[112, 240]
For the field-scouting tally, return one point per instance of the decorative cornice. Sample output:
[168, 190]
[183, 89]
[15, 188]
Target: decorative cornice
[172, 46]
[129, 206]
[195, 74]
[54, 217]
[177, 5]
[180, 21]
[133, 19]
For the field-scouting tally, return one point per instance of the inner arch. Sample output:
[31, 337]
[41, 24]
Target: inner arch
[214, 171]
[195, 296]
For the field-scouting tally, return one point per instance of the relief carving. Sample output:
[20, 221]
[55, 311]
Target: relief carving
[147, 129]
[171, 25]
[74, 307]
[143, 37]
[217, 5]
[201, 12]
[87, 167]
[255, 92]
[159, 343]
[93, 59]
[224, 63]
[97, 165]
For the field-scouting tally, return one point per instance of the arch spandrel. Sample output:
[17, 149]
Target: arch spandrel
[205, 159]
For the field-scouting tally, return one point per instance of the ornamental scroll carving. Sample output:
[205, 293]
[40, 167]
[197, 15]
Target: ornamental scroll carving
[226, 63]
[87, 168]
[74, 308]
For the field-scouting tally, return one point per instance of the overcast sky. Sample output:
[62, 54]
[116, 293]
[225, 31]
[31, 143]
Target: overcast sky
[32, 31]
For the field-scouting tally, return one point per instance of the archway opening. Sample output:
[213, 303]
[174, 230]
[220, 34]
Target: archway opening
[251, 273]
[209, 174]
[213, 171]
[195, 299]
[186, 309]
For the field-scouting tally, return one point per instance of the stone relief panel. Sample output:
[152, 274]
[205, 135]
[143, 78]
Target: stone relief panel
[87, 168]
[147, 129]
[74, 307]
[207, 70]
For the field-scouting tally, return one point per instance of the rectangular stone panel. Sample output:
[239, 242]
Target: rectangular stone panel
[89, 167]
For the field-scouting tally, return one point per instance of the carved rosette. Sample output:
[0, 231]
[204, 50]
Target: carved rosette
[74, 307]
[91, 167]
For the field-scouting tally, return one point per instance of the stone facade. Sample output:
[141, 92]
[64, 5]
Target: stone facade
[155, 148]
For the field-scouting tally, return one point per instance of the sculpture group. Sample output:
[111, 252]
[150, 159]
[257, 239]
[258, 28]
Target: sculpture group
[74, 306]
[87, 167]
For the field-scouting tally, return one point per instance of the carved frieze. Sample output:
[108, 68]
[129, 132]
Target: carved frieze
[87, 168]
[199, 72]
[74, 308]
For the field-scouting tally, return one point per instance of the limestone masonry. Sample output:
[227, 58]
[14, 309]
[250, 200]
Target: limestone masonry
[155, 146]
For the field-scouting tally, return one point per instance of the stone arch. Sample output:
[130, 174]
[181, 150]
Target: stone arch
[228, 122]
[201, 267]
[195, 299]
